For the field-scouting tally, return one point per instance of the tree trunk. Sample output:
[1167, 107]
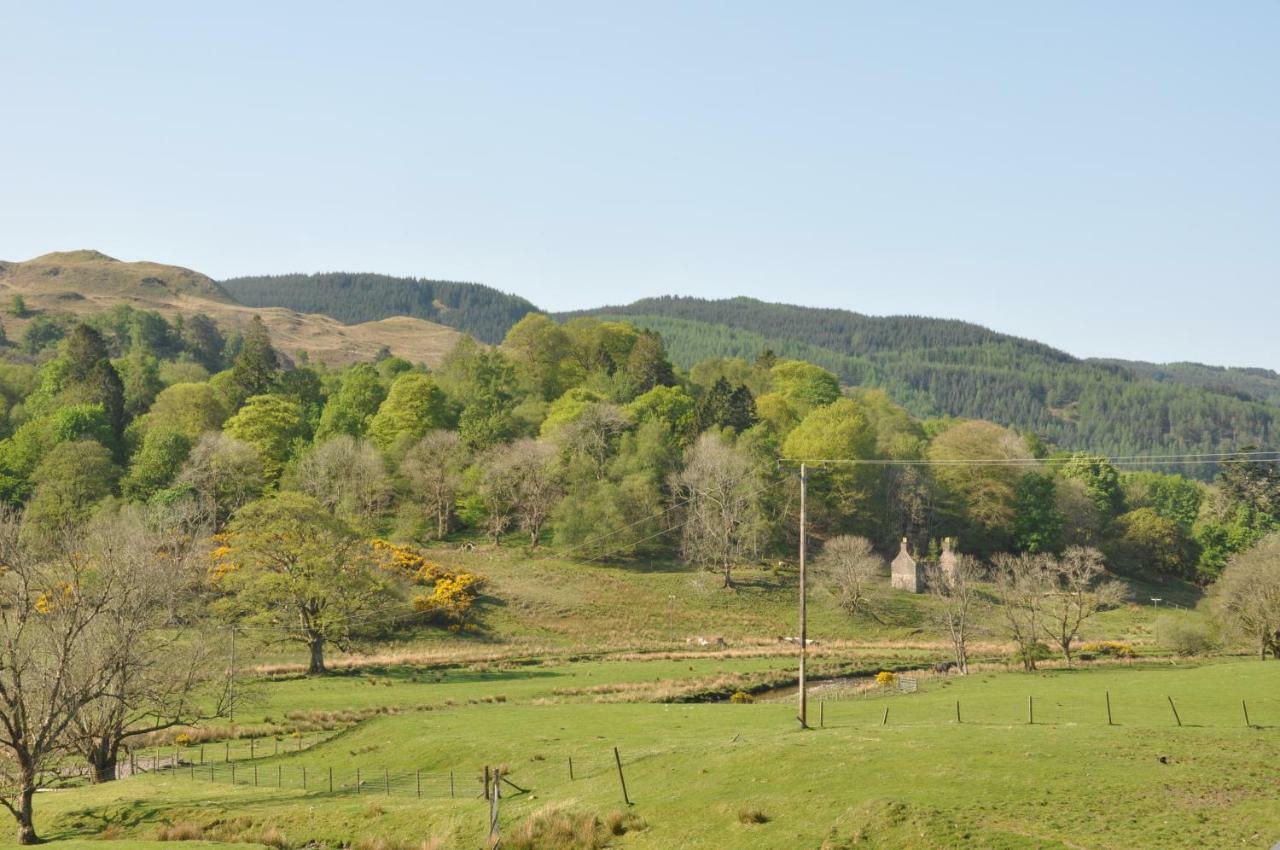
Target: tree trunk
[728, 576]
[24, 814]
[442, 522]
[316, 667]
[103, 759]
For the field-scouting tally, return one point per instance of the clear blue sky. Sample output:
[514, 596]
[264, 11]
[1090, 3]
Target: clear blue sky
[1101, 176]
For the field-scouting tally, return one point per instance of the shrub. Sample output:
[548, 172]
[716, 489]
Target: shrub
[1110, 648]
[885, 679]
[183, 831]
[1184, 638]
[755, 815]
[742, 697]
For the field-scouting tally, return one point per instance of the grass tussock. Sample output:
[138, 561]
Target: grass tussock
[752, 816]
[379, 842]
[555, 828]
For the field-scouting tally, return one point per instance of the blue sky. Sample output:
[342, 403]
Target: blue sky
[1100, 176]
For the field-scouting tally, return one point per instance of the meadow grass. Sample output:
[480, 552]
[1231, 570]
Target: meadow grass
[921, 780]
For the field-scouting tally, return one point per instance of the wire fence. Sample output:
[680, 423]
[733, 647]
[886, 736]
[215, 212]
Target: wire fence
[458, 783]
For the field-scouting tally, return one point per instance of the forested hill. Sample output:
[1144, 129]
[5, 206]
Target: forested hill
[482, 311]
[1245, 383]
[938, 367]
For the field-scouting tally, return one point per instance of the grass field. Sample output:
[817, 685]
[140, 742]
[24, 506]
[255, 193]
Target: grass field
[572, 660]
[695, 772]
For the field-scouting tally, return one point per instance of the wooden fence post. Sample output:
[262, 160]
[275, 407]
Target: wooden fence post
[451, 789]
[570, 768]
[304, 777]
[1109, 723]
[417, 776]
[1175, 710]
[822, 714]
[1245, 706]
[622, 780]
[1031, 710]
[493, 808]
[357, 780]
[885, 720]
[957, 711]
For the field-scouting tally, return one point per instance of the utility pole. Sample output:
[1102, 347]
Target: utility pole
[804, 611]
[231, 684]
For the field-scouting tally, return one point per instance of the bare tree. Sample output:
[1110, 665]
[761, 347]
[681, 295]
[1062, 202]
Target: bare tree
[593, 435]
[959, 604]
[433, 467]
[157, 671]
[853, 572]
[1021, 582]
[720, 487]
[522, 480]
[347, 476]
[51, 600]
[534, 466]
[224, 473]
[1077, 590]
[1247, 596]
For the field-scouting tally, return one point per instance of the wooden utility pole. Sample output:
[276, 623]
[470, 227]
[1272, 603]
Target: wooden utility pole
[804, 610]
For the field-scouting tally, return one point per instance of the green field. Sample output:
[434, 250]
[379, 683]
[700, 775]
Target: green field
[919, 780]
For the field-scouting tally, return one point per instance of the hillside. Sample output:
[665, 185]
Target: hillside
[1250, 384]
[938, 367]
[472, 308]
[84, 282]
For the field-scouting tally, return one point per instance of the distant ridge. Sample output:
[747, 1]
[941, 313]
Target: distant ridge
[943, 367]
[482, 311]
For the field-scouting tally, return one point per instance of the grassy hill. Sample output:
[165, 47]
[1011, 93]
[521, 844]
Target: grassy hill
[85, 282]
[938, 367]
[482, 311]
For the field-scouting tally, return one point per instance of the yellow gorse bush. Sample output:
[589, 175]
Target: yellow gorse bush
[452, 592]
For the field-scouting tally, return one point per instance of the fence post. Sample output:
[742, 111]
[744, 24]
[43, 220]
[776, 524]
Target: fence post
[451, 793]
[622, 780]
[486, 782]
[957, 711]
[255, 776]
[386, 782]
[1031, 710]
[304, 773]
[1109, 723]
[228, 755]
[1175, 710]
[202, 753]
[233, 773]
[1245, 706]
[570, 768]
[357, 780]
[304, 777]
[493, 809]
[884, 720]
[417, 775]
[279, 776]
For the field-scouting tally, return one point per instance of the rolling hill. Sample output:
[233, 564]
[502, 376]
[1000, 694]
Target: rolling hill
[84, 282]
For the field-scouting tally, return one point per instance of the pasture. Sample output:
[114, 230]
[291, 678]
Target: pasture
[706, 775]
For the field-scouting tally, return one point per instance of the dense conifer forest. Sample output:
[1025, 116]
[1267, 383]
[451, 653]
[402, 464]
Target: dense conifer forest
[473, 308]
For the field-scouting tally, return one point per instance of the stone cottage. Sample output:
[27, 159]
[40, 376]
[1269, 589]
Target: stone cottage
[905, 572]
